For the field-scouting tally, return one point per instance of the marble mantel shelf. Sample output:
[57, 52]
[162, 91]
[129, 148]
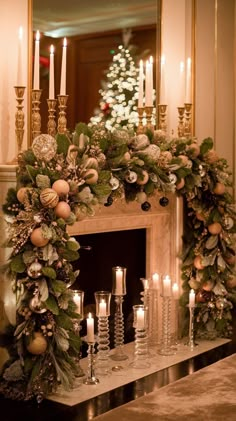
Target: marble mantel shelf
[82, 393]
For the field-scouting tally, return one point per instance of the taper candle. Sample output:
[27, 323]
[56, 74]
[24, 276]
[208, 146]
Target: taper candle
[188, 92]
[51, 74]
[19, 64]
[163, 81]
[63, 69]
[140, 87]
[90, 328]
[148, 96]
[36, 62]
[191, 298]
[181, 85]
[119, 281]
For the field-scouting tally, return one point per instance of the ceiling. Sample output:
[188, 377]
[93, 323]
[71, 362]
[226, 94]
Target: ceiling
[58, 18]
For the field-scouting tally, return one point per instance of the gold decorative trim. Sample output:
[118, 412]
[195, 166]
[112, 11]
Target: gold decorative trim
[29, 76]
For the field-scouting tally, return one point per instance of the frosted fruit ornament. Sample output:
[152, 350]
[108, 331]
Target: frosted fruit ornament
[37, 238]
[38, 344]
[61, 187]
[91, 176]
[49, 198]
[62, 210]
[21, 194]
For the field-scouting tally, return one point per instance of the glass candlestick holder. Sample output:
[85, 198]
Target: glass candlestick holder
[103, 299]
[91, 376]
[78, 298]
[191, 341]
[119, 290]
[141, 354]
[166, 347]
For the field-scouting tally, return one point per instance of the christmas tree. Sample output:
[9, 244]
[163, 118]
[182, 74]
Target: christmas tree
[119, 96]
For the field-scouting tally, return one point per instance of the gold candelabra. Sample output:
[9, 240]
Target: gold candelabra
[162, 108]
[51, 117]
[188, 120]
[148, 112]
[181, 125]
[140, 128]
[19, 120]
[62, 122]
[36, 117]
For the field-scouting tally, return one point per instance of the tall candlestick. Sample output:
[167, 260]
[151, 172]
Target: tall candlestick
[51, 74]
[163, 81]
[188, 92]
[140, 318]
[148, 96]
[167, 286]
[90, 328]
[36, 62]
[175, 291]
[63, 69]
[19, 66]
[140, 88]
[181, 84]
[191, 298]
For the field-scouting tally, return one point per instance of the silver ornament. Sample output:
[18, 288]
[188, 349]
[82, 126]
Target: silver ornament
[36, 305]
[114, 182]
[172, 178]
[44, 147]
[153, 177]
[229, 223]
[131, 177]
[34, 270]
[202, 172]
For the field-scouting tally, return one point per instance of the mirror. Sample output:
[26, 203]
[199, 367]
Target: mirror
[94, 30]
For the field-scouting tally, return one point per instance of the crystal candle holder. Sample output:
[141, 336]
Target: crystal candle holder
[166, 347]
[78, 298]
[140, 323]
[103, 299]
[191, 340]
[150, 300]
[90, 339]
[119, 290]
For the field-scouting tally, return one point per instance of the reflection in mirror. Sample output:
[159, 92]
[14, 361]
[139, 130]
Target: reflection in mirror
[94, 31]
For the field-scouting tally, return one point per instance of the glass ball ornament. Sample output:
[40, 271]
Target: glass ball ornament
[36, 305]
[131, 177]
[35, 270]
[146, 206]
[114, 182]
[164, 201]
[44, 147]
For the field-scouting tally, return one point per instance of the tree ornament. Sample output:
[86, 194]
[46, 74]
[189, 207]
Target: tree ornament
[219, 188]
[143, 179]
[21, 194]
[35, 270]
[200, 297]
[145, 206]
[131, 177]
[36, 305]
[180, 184]
[172, 178]
[109, 201]
[214, 228]
[62, 210]
[208, 286]
[49, 198]
[228, 222]
[140, 141]
[114, 182]
[141, 197]
[44, 147]
[198, 262]
[61, 187]
[91, 176]
[37, 238]
[164, 201]
[38, 344]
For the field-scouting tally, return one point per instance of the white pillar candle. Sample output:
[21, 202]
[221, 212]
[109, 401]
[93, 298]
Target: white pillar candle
[90, 328]
[167, 286]
[181, 84]
[155, 281]
[63, 69]
[188, 92]
[140, 87]
[77, 301]
[36, 61]
[19, 64]
[102, 308]
[163, 81]
[119, 282]
[191, 298]
[148, 96]
[140, 318]
[51, 74]
[175, 291]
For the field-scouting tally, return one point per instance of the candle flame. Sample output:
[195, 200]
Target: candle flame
[189, 62]
[37, 36]
[181, 66]
[51, 49]
[90, 316]
[141, 63]
[65, 42]
[20, 32]
[151, 59]
[163, 59]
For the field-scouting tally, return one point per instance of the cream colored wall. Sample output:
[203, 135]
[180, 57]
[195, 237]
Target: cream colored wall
[13, 14]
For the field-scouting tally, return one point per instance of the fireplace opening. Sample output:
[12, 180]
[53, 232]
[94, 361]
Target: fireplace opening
[98, 254]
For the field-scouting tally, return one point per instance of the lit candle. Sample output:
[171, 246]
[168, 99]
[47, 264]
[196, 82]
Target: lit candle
[151, 77]
[78, 302]
[175, 291]
[191, 298]
[148, 96]
[63, 69]
[163, 81]
[51, 74]
[102, 308]
[19, 66]
[140, 88]
[119, 281]
[181, 84]
[90, 328]
[188, 96]
[140, 319]
[155, 281]
[167, 286]
[36, 62]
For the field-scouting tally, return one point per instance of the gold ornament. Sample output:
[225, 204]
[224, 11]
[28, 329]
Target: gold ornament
[37, 238]
[49, 198]
[21, 194]
[219, 188]
[214, 228]
[144, 179]
[44, 147]
[38, 344]
[62, 210]
[198, 263]
[61, 187]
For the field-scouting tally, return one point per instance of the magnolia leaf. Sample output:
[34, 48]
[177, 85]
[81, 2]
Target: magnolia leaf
[58, 287]
[28, 257]
[49, 253]
[63, 301]
[46, 231]
[43, 181]
[63, 320]
[51, 304]
[221, 263]
[72, 245]
[43, 289]
[63, 144]
[209, 260]
[71, 219]
[70, 255]
[212, 242]
[206, 145]
[17, 264]
[20, 329]
[219, 289]
[49, 272]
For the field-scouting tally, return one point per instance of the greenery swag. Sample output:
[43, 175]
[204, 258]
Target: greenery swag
[65, 179]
